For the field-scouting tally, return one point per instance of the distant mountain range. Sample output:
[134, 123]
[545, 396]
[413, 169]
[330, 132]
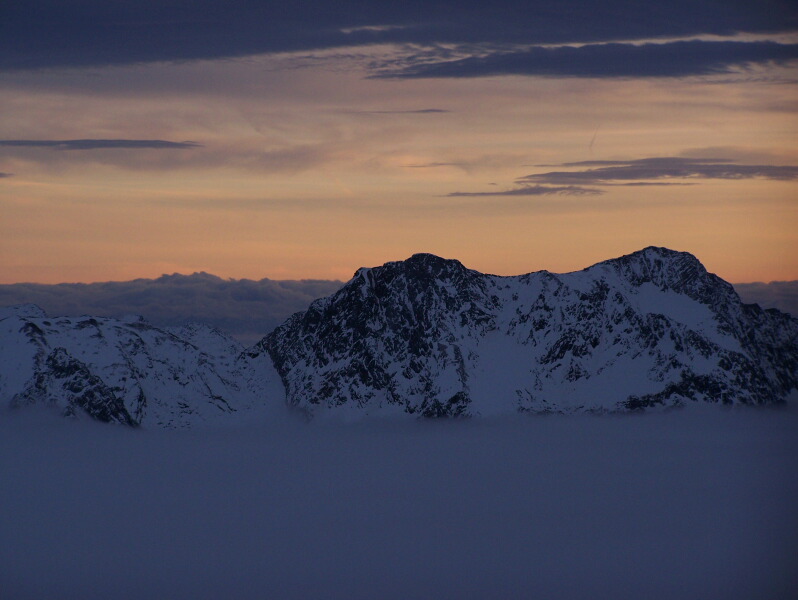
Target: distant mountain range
[782, 295]
[426, 337]
[244, 308]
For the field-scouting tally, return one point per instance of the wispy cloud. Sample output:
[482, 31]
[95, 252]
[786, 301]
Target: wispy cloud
[433, 165]
[420, 111]
[536, 190]
[99, 144]
[632, 173]
[608, 172]
[488, 162]
[662, 160]
[614, 60]
[160, 155]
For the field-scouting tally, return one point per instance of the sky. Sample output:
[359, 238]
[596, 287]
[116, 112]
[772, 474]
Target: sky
[306, 139]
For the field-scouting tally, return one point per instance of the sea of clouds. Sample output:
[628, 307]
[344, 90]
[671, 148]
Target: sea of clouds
[693, 504]
[244, 308]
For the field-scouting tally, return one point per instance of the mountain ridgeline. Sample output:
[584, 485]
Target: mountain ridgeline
[430, 338]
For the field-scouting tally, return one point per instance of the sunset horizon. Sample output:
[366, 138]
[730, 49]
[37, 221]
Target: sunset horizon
[344, 274]
[398, 299]
[306, 143]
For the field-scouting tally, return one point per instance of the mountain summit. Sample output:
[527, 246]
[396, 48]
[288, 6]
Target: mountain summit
[428, 336]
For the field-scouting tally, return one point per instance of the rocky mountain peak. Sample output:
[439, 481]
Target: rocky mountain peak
[679, 272]
[429, 336]
[431, 262]
[661, 266]
[420, 267]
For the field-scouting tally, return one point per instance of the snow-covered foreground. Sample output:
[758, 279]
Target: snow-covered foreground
[691, 504]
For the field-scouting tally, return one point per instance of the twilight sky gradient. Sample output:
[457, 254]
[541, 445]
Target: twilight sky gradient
[306, 139]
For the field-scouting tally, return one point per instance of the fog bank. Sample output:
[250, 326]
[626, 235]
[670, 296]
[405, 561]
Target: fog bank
[690, 504]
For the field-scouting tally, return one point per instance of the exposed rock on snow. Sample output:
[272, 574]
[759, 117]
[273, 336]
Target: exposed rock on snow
[430, 337]
[125, 370]
[425, 337]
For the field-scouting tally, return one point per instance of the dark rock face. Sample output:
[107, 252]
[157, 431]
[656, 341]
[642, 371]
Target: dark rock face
[68, 382]
[374, 330]
[429, 337]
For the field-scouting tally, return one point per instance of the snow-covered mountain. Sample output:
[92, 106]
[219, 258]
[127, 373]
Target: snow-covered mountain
[425, 337]
[428, 336]
[127, 371]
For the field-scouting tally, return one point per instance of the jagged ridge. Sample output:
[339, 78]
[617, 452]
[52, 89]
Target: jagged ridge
[429, 336]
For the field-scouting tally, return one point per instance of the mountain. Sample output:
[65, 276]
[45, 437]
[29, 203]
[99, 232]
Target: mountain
[425, 337]
[127, 371]
[429, 337]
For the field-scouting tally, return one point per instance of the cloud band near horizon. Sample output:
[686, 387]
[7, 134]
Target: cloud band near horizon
[536, 190]
[100, 144]
[669, 167]
[631, 173]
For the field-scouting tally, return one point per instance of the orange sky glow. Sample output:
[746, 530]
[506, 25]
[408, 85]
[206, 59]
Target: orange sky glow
[315, 170]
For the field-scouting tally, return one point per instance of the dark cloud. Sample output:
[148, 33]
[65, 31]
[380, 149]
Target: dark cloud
[646, 184]
[674, 59]
[422, 111]
[247, 309]
[159, 155]
[536, 190]
[610, 172]
[434, 165]
[89, 144]
[658, 161]
[5, 175]
[54, 33]
[632, 173]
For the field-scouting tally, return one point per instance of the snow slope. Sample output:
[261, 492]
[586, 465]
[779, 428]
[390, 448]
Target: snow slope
[127, 371]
